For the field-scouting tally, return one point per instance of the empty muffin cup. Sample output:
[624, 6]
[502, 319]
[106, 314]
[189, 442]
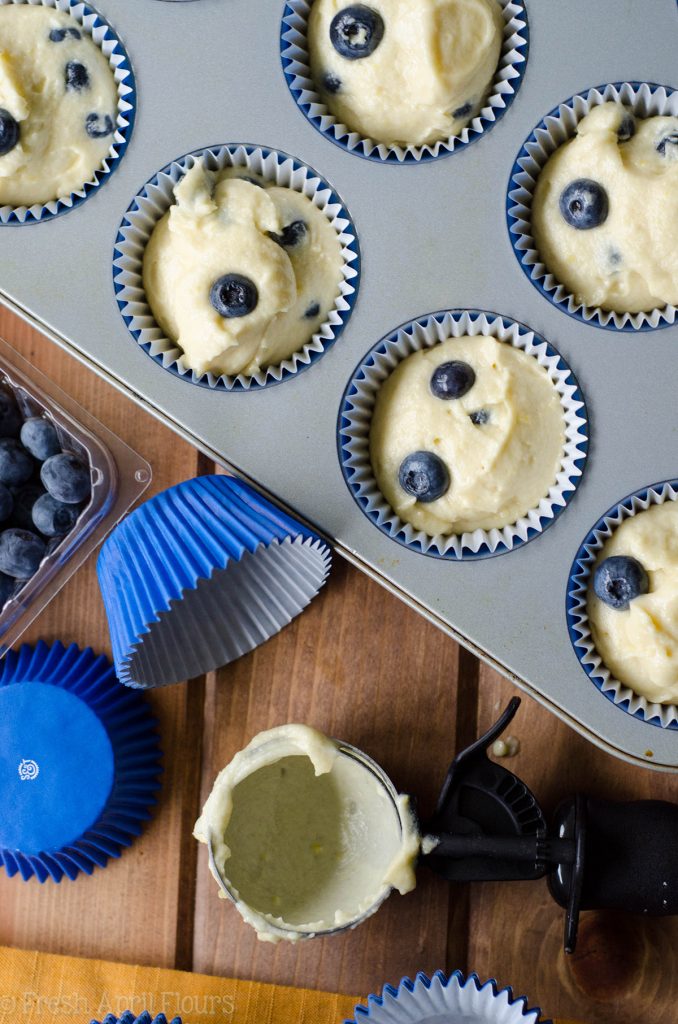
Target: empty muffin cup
[153, 202]
[306, 835]
[356, 417]
[486, 110]
[89, 23]
[644, 100]
[662, 714]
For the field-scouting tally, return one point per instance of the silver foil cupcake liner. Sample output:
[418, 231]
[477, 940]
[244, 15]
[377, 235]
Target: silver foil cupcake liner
[153, 201]
[94, 25]
[355, 418]
[505, 85]
[663, 715]
[447, 998]
[645, 100]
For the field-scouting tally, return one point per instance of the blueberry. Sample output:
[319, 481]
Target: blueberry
[452, 380]
[21, 552]
[233, 295]
[39, 437]
[9, 132]
[615, 258]
[464, 110]
[356, 31]
[6, 503]
[619, 579]
[670, 140]
[584, 204]
[331, 83]
[77, 76]
[16, 465]
[24, 500]
[57, 35]
[98, 126]
[424, 476]
[66, 477]
[313, 311]
[291, 235]
[480, 417]
[10, 416]
[54, 518]
[7, 585]
[627, 128]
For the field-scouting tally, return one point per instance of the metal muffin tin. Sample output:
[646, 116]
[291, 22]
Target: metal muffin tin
[432, 236]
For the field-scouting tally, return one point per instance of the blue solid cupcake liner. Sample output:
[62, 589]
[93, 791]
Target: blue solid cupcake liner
[128, 1017]
[447, 998]
[665, 716]
[201, 574]
[645, 100]
[153, 201]
[79, 762]
[355, 416]
[110, 44]
[503, 90]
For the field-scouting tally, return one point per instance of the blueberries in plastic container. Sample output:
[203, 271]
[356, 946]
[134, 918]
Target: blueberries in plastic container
[356, 31]
[67, 478]
[424, 475]
[452, 380]
[39, 437]
[21, 552]
[10, 416]
[9, 132]
[584, 204]
[24, 500]
[7, 585]
[16, 465]
[54, 518]
[619, 579]
[6, 503]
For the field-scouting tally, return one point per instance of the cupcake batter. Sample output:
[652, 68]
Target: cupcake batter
[58, 105]
[405, 72]
[639, 643]
[307, 837]
[620, 253]
[490, 454]
[279, 248]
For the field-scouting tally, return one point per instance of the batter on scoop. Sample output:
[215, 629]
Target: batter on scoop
[405, 72]
[466, 435]
[634, 621]
[605, 211]
[58, 105]
[239, 272]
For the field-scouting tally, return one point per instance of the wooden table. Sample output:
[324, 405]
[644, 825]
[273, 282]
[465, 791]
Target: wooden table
[362, 666]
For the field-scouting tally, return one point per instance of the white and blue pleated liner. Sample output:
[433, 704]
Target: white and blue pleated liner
[355, 418]
[442, 999]
[644, 99]
[665, 716]
[111, 46]
[153, 201]
[202, 574]
[129, 1017]
[503, 90]
[79, 762]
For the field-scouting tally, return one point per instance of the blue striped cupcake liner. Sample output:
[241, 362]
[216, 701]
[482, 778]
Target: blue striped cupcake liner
[153, 201]
[355, 417]
[645, 99]
[129, 1017]
[102, 33]
[665, 716]
[79, 762]
[503, 90]
[201, 574]
[447, 998]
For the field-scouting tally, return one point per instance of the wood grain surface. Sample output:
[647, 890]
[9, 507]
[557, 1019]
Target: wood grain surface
[361, 666]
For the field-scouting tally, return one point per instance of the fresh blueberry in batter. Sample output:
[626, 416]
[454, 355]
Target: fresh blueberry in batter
[424, 476]
[627, 129]
[291, 235]
[480, 417]
[98, 126]
[464, 110]
[77, 76]
[668, 145]
[16, 465]
[356, 31]
[619, 579]
[9, 132]
[234, 295]
[584, 204]
[615, 258]
[313, 311]
[67, 478]
[21, 552]
[331, 83]
[54, 518]
[57, 35]
[452, 380]
[39, 437]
